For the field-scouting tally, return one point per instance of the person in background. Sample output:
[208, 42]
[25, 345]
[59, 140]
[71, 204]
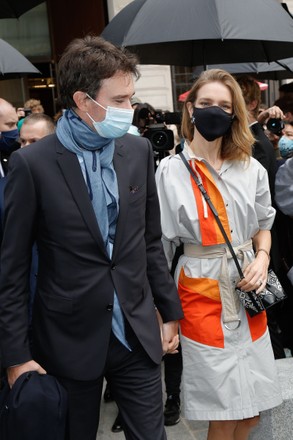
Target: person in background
[285, 143]
[135, 101]
[263, 150]
[35, 127]
[286, 90]
[8, 143]
[272, 125]
[8, 134]
[144, 116]
[30, 106]
[286, 105]
[34, 105]
[280, 317]
[274, 139]
[133, 129]
[87, 196]
[283, 200]
[284, 188]
[229, 372]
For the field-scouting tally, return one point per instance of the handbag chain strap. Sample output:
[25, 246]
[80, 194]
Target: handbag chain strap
[214, 211]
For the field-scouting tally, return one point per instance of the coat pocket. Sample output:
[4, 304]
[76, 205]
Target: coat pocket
[202, 308]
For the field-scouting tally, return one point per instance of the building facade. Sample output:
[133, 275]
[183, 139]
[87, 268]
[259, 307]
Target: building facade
[42, 34]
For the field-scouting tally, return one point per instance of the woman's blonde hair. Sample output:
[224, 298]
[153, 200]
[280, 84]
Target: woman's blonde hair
[237, 143]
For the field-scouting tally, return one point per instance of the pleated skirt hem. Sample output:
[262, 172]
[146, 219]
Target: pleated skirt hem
[244, 413]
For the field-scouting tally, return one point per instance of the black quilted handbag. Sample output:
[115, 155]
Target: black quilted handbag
[272, 294]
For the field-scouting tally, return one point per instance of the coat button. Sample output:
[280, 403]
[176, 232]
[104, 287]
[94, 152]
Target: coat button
[113, 267]
[109, 307]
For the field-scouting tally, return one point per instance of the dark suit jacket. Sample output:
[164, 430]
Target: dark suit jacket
[2, 186]
[31, 284]
[46, 199]
[264, 152]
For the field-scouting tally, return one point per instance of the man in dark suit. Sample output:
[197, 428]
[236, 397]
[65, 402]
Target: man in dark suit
[8, 143]
[34, 127]
[87, 196]
[263, 151]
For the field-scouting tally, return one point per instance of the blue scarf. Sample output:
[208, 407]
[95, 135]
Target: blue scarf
[97, 153]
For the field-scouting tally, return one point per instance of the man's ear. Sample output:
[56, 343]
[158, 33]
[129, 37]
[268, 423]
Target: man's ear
[81, 101]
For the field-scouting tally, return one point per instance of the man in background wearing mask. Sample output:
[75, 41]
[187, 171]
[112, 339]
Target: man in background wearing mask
[8, 143]
[8, 133]
[285, 143]
[91, 205]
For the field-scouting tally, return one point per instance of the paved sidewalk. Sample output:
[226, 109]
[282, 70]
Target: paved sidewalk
[184, 430]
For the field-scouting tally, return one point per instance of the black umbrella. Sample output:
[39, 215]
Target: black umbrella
[15, 8]
[13, 64]
[201, 32]
[277, 70]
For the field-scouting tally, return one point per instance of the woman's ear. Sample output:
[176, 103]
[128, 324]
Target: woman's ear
[81, 101]
[190, 108]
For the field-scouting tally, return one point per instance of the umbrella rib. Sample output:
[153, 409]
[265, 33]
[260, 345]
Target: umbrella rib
[283, 65]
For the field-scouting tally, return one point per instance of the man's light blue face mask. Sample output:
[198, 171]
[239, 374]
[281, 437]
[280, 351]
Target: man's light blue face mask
[116, 123]
[285, 147]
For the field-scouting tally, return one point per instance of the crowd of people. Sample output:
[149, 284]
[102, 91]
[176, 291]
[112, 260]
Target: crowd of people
[112, 263]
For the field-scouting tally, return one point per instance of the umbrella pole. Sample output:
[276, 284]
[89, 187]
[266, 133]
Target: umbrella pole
[23, 90]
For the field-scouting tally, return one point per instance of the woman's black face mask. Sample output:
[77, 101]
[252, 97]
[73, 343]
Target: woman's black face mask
[211, 122]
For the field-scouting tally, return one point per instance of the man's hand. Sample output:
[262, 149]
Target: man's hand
[20, 112]
[170, 337]
[272, 112]
[13, 373]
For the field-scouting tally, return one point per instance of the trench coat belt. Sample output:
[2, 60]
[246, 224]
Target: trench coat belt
[229, 297]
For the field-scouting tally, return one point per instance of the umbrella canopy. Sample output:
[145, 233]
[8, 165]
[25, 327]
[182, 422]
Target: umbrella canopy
[15, 8]
[201, 32]
[280, 69]
[12, 63]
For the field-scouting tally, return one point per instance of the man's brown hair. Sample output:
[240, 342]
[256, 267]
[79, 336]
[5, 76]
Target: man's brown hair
[86, 62]
[251, 92]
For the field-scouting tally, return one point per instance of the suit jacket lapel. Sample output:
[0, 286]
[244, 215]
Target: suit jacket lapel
[72, 173]
[121, 169]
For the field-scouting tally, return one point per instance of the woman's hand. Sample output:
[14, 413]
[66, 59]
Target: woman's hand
[255, 274]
